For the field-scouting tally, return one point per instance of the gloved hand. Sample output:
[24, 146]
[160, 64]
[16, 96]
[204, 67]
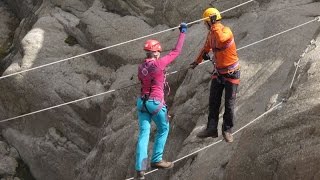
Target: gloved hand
[183, 27]
[193, 65]
[213, 19]
[205, 56]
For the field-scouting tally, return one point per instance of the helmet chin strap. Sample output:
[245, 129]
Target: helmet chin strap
[213, 19]
[157, 55]
[151, 54]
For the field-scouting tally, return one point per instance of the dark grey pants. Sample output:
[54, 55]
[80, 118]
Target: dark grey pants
[217, 86]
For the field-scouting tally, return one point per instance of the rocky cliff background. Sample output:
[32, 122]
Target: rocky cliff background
[95, 139]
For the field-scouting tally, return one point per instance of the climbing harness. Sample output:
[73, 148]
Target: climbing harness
[228, 70]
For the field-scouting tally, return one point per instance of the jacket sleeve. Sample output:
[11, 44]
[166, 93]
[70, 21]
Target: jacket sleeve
[206, 48]
[163, 62]
[222, 35]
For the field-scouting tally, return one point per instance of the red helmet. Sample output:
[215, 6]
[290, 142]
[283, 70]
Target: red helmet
[152, 45]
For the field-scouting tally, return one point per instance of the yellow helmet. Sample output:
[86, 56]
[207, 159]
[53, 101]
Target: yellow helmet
[211, 12]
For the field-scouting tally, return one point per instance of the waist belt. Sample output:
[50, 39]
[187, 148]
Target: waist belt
[229, 69]
[145, 98]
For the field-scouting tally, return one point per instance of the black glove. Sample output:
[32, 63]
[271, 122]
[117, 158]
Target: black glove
[213, 19]
[206, 56]
[193, 65]
[183, 27]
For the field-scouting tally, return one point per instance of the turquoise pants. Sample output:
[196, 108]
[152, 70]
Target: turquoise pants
[162, 123]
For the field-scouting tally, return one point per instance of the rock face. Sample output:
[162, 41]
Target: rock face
[8, 24]
[9, 158]
[8, 164]
[290, 146]
[95, 138]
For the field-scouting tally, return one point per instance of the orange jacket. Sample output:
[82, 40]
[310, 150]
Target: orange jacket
[219, 37]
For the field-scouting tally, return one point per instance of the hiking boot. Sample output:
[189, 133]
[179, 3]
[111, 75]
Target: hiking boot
[227, 136]
[162, 165]
[140, 175]
[207, 133]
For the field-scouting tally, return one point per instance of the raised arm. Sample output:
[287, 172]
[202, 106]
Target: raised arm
[174, 53]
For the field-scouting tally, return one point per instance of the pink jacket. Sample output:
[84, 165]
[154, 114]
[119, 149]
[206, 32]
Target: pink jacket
[151, 72]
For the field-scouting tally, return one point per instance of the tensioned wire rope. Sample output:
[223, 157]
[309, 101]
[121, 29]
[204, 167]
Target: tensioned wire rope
[110, 91]
[257, 118]
[115, 45]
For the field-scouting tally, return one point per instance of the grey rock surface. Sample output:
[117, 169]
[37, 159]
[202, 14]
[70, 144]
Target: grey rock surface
[290, 146]
[8, 23]
[7, 165]
[8, 160]
[95, 138]
[50, 148]
[3, 148]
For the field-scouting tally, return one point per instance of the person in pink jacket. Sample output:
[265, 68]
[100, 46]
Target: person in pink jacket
[151, 104]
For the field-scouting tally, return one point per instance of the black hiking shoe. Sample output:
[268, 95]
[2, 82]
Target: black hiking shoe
[140, 175]
[162, 165]
[208, 133]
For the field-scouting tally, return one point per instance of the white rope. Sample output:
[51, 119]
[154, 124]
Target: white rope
[9, 119]
[108, 47]
[52, 107]
[315, 19]
[63, 104]
[297, 64]
[217, 142]
[295, 72]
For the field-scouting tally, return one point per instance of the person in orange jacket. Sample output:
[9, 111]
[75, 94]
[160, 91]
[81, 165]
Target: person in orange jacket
[225, 76]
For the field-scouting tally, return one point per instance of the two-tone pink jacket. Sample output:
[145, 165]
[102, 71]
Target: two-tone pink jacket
[151, 72]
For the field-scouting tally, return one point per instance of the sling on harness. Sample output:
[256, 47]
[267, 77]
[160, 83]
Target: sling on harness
[145, 98]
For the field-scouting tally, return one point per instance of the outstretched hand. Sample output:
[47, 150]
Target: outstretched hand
[183, 27]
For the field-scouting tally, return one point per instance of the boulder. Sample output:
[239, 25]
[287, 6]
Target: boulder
[8, 165]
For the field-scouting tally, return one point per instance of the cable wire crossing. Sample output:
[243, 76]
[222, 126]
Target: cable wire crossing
[217, 142]
[115, 45]
[103, 93]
